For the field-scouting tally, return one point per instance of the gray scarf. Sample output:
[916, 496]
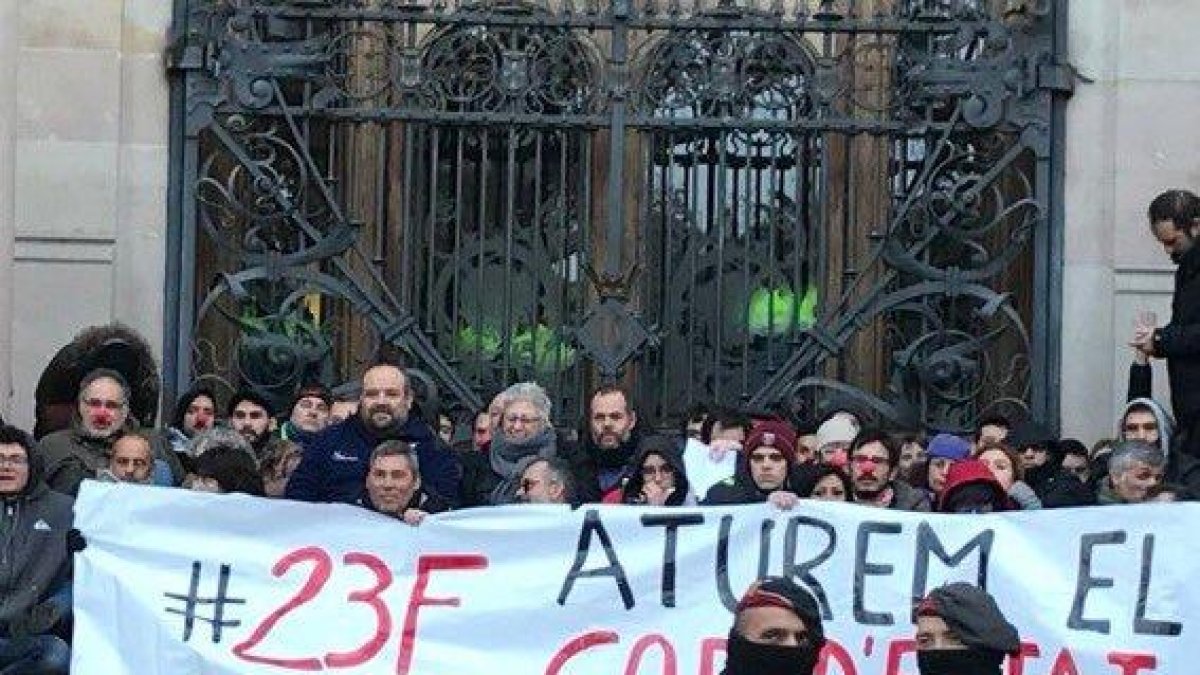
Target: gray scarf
[510, 459]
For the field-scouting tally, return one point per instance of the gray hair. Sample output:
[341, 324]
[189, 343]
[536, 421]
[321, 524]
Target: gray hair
[559, 472]
[397, 449]
[1127, 453]
[533, 394]
[220, 437]
[105, 374]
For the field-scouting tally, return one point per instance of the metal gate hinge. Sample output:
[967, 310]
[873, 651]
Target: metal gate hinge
[182, 55]
[1058, 77]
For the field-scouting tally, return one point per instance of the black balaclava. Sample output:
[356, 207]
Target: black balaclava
[959, 662]
[744, 657]
[976, 620]
[750, 658]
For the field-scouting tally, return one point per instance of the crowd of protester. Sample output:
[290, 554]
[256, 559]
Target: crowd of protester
[381, 452]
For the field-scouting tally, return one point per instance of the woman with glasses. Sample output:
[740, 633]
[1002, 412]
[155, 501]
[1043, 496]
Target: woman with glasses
[656, 477]
[525, 432]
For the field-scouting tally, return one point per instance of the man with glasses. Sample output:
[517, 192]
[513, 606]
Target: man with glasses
[309, 413]
[545, 481]
[35, 601]
[776, 630]
[874, 460]
[101, 417]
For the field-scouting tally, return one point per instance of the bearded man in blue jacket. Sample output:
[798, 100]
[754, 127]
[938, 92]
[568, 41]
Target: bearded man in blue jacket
[335, 461]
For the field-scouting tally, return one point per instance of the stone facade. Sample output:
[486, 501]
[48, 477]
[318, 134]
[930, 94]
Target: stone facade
[1131, 133]
[83, 174]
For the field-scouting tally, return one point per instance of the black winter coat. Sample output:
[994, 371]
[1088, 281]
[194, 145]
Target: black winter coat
[1179, 341]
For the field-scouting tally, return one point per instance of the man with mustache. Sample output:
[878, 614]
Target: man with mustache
[874, 462]
[101, 417]
[251, 416]
[612, 439]
[335, 462]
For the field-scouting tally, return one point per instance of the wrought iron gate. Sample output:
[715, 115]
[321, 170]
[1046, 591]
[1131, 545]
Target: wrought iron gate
[756, 202]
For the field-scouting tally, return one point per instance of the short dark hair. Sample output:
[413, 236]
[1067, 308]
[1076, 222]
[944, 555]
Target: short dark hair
[728, 418]
[249, 396]
[1072, 446]
[993, 420]
[871, 435]
[1181, 207]
[397, 448]
[561, 472]
[10, 435]
[827, 470]
[611, 389]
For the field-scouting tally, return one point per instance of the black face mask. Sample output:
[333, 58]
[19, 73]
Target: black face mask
[750, 658]
[959, 662]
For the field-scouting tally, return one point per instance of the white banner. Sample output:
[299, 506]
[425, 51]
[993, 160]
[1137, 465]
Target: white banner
[178, 582]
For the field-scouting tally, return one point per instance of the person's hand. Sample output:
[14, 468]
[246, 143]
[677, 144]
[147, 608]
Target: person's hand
[720, 447]
[414, 517]
[1143, 336]
[783, 500]
[1143, 347]
[655, 495]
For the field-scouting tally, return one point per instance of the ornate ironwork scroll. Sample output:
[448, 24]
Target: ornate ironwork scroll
[765, 203]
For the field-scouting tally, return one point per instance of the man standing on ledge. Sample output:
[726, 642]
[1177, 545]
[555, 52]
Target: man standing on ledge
[1175, 221]
[776, 631]
[335, 462]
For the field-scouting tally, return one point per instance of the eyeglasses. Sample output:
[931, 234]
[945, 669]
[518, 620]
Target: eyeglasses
[650, 470]
[95, 403]
[15, 461]
[312, 404]
[863, 459]
[519, 419]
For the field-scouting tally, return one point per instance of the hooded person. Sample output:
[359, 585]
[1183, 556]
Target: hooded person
[776, 630]
[1145, 419]
[961, 631]
[765, 467]
[196, 412]
[35, 569]
[308, 415]
[113, 346]
[102, 415]
[972, 487]
[657, 477]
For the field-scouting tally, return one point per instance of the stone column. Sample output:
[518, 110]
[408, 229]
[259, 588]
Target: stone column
[1131, 133]
[9, 22]
[1088, 379]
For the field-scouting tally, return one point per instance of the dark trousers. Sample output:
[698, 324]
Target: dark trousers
[34, 655]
